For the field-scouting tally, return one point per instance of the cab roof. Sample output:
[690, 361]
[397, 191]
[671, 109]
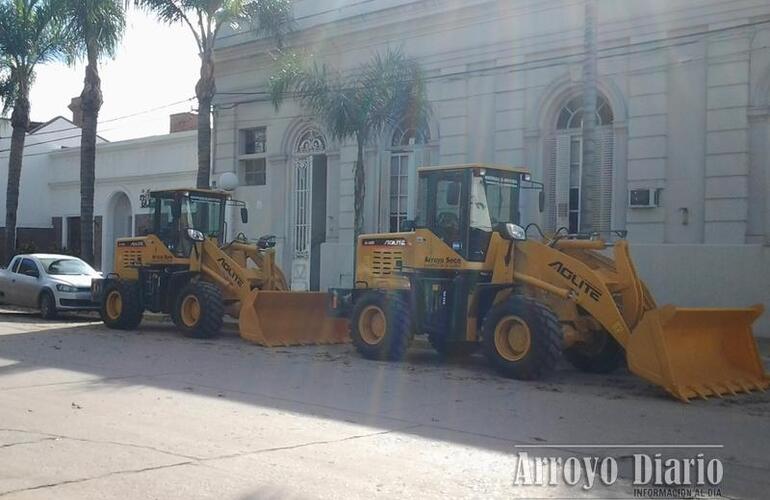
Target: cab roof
[466, 166]
[203, 192]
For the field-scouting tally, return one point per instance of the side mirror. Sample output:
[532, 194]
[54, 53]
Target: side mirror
[511, 231]
[453, 194]
[541, 201]
[244, 215]
[33, 273]
[408, 226]
[195, 235]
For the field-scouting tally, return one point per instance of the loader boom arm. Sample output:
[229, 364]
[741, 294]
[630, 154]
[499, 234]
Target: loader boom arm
[586, 288]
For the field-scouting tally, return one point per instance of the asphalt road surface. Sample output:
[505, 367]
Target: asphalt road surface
[86, 412]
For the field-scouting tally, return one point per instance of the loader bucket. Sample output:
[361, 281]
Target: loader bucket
[698, 352]
[275, 319]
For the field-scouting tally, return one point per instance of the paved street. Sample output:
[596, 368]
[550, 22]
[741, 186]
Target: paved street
[90, 413]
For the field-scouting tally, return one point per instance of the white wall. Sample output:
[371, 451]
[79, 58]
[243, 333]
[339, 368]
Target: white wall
[707, 276]
[34, 205]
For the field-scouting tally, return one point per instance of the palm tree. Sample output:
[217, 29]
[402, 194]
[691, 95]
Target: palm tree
[205, 18]
[388, 89]
[30, 34]
[94, 29]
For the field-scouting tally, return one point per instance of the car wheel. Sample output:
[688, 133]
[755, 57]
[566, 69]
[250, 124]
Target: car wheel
[47, 304]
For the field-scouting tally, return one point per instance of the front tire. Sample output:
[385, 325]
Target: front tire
[380, 327]
[522, 338]
[602, 355]
[121, 307]
[199, 310]
[47, 304]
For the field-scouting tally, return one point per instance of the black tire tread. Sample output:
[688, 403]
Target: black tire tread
[212, 310]
[398, 316]
[52, 312]
[609, 358]
[131, 315]
[547, 338]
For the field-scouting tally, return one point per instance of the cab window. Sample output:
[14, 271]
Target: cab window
[449, 212]
[166, 222]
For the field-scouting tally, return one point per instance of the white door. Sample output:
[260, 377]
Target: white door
[301, 233]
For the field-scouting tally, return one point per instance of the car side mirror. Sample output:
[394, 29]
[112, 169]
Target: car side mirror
[453, 194]
[244, 215]
[33, 273]
[541, 201]
[408, 226]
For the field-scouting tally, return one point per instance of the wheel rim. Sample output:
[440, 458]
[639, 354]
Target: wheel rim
[513, 338]
[45, 307]
[372, 325]
[190, 311]
[114, 305]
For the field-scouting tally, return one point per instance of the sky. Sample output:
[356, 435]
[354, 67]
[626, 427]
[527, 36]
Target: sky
[156, 65]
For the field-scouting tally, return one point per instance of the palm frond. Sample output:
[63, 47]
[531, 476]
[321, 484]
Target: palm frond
[31, 32]
[167, 11]
[95, 24]
[388, 89]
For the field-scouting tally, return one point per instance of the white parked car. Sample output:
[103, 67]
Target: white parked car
[48, 282]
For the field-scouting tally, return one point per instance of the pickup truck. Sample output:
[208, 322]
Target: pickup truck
[48, 282]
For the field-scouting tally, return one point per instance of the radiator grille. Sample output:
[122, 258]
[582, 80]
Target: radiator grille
[131, 258]
[386, 262]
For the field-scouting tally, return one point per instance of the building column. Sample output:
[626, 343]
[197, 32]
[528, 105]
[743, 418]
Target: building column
[727, 139]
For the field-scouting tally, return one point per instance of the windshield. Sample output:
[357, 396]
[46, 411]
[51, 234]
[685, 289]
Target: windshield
[203, 214]
[66, 267]
[494, 199]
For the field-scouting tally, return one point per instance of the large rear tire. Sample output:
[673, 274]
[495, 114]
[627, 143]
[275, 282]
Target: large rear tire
[522, 338]
[121, 307]
[199, 310]
[380, 326]
[603, 355]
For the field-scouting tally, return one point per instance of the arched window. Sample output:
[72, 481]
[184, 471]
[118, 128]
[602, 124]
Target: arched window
[311, 142]
[406, 145]
[566, 172]
[571, 114]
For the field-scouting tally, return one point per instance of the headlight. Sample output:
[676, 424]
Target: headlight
[515, 232]
[195, 235]
[66, 288]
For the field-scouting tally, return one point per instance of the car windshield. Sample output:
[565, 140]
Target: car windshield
[66, 267]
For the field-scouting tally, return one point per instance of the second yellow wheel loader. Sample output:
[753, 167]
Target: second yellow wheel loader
[182, 269]
[466, 274]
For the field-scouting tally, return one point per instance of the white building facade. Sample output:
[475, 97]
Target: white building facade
[684, 93]
[49, 190]
[684, 129]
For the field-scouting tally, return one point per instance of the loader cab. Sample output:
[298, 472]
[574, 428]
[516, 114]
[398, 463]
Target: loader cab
[181, 216]
[464, 205]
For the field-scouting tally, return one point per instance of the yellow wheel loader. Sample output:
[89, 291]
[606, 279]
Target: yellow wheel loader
[465, 273]
[183, 270]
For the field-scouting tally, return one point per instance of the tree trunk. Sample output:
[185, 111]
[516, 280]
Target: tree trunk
[359, 191]
[589, 181]
[91, 98]
[20, 123]
[204, 91]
